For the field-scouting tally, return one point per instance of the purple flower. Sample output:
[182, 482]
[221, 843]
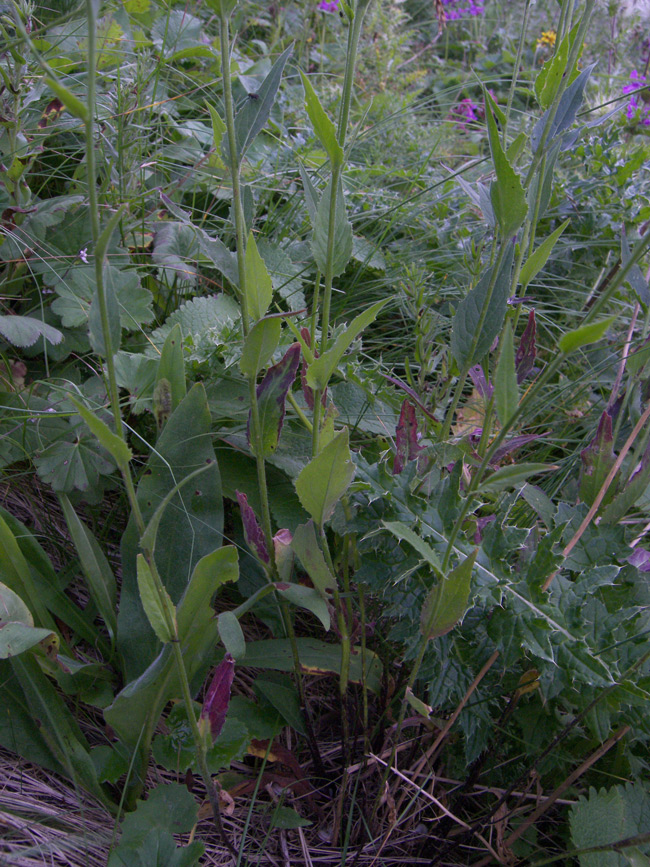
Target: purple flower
[464, 112]
[329, 5]
[637, 110]
[455, 9]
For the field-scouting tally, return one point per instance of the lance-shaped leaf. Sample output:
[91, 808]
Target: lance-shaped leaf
[307, 391]
[217, 697]
[171, 367]
[446, 602]
[157, 605]
[259, 288]
[283, 553]
[252, 117]
[322, 483]
[635, 278]
[566, 113]
[230, 632]
[584, 335]
[551, 74]
[259, 346]
[342, 248]
[406, 438]
[401, 531]
[305, 597]
[252, 531]
[506, 192]
[322, 368]
[271, 396]
[597, 460]
[506, 390]
[539, 258]
[309, 552]
[323, 126]
[631, 490]
[525, 355]
[483, 386]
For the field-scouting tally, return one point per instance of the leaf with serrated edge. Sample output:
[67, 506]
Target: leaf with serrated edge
[322, 483]
[447, 601]
[401, 531]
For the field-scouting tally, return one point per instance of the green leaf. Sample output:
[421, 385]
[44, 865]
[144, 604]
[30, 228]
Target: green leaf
[98, 338]
[157, 605]
[17, 630]
[279, 691]
[305, 544]
[506, 193]
[401, 531]
[323, 126]
[218, 127]
[447, 601]
[287, 818]
[551, 74]
[259, 346]
[113, 444]
[175, 251]
[539, 258]
[584, 335]
[24, 331]
[511, 476]
[96, 568]
[468, 315]
[343, 243]
[259, 288]
[506, 390]
[252, 117]
[322, 483]
[230, 632]
[172, 366]
[321, 369]
[308, 598]
[74, 105]
[74, 465]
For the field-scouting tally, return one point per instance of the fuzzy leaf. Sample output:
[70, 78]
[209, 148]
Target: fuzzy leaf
[507, 192]
[323, 126]
[260, 344]
[25, 330]
[447, 600]
[322, 483]
[596, 462]
[525, 355]
[506, 391]
[271, 396]
[406, 438]
[342, 232]
[259, 288]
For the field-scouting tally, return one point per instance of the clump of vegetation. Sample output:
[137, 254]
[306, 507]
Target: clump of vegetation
[324, 432]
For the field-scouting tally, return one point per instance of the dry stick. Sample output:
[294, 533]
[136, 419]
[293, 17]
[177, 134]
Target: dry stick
[443, 734]
[552, 798]
[601, 493]
[626, 352]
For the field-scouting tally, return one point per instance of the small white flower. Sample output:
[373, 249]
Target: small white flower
[83, 255]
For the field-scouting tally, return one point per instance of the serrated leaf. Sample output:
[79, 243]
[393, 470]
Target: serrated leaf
[401, 531]
[157, 606]
[271, 397]
[539, 258]
[343, 244]
[447, 600]
[506, 193]
[468, 315]
[584, 335]
[24, 331]
[306, 546]
[105, 343]
[323, 126]
[506, 390]
[321, 369]
[322, 483]
[259, 346]
[69, 465]
[113, 444]
[259, 288]
[175, 251]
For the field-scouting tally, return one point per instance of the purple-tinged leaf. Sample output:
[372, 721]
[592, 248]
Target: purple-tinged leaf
[481, 384]
[283, 553]
[405, 388]
[406, 438]
[511, 445]
[597, 460]
[217, 697]
[271, 396]
[307, 390]
[252, 531]
[481, 524]
[641, 559]
[525, 355]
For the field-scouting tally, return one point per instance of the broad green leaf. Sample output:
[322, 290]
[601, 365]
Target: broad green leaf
[322, 483]
[305, 544]
[24, 331]
[343, 243]
[308, 598]
[175, 251]
[447, 600]
[321, 369]
[190, 528]
[271, 397]
[506, 192]
[73, 104]
[259, 346]
[259, 287]
[323, 126]
[17, 630]
[512, 476]
[287, 818]
[69, 464]
[172, 366]
[105, 343]
[551, 74]
[279, 691]
[584, 335]
[95, 566]
[230, 633]
[539, 258]
[565, 115]
[12, 608]
[252, 117]
[17, 576]
[113, 444]
[468, 348]
[157, 605]
[506, 390]
[401, 531]
[316, 657]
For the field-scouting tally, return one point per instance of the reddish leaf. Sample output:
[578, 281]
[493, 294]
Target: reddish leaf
[252, 531]
[481, 384]
[512, 444]
[217, 697]
[597, 460]
[525, 355]
[283, 553]
[406, 438]
[271, 396]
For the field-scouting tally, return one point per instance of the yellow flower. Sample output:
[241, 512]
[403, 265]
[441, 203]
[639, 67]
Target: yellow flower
[548, 37]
